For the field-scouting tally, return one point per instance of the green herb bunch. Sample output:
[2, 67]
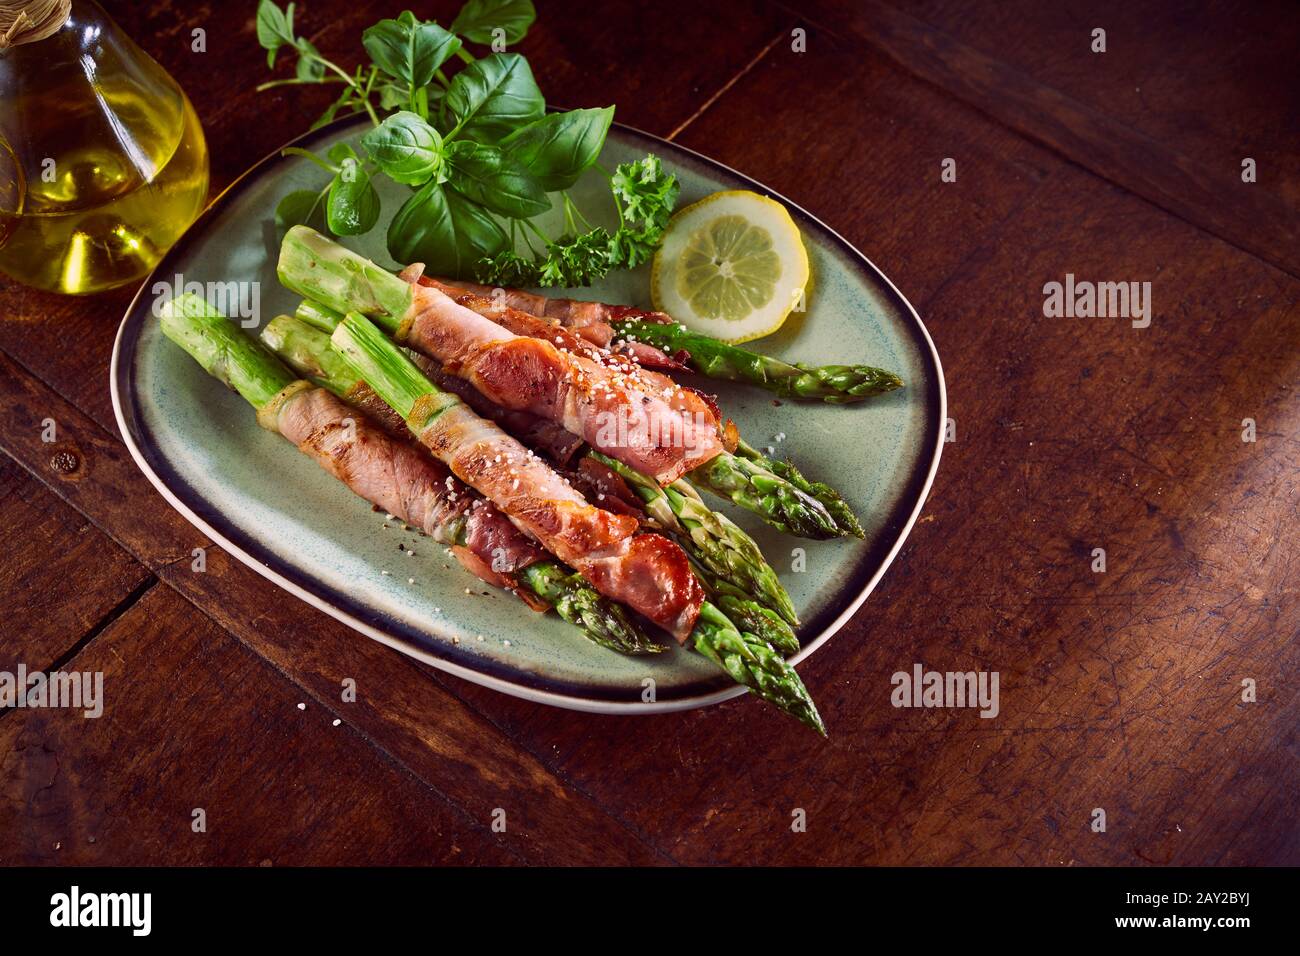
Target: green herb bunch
[477, 148]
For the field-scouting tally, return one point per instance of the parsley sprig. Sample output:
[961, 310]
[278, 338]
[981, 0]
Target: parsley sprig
[644, 196]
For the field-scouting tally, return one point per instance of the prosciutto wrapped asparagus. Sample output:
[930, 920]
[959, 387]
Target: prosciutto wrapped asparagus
[644, 431]
[656, 340]
[394, 474]
[726, 559]
[586, 336]
[646, 571]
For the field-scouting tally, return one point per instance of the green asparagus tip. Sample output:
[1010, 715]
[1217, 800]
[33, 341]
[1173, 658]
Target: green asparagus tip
[840, 384]
[576, 601]
[830, 499]
[749, 661]
[761, 621]
[773, 498]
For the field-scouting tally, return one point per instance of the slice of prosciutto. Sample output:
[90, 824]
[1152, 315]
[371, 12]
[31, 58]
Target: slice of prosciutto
[402, 479]
[615, 410]
[590, 319]
[631, 365]
[647, 572]
[557, 442]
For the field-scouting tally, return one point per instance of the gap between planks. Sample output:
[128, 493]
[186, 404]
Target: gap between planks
[744, 70]
[100, 626]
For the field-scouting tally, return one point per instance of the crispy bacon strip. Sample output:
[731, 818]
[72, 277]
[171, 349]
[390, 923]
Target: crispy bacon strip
[559, 444]
[630, 365]
[645, 571]
[610, 409]
[403, 480]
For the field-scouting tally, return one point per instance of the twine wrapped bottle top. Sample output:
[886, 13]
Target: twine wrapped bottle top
[26, 21]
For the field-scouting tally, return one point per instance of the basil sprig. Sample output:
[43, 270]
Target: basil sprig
[477, 149]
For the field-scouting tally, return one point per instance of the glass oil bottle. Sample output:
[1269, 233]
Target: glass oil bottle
[103, 163]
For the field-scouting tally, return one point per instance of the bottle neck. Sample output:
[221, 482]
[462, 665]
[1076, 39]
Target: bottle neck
[26, 21]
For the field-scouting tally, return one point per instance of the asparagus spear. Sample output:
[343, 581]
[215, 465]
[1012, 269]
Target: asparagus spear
[244, 364]
[751, 662]
[747, 658]
[834, 384]
[830, 498]
[724, 550]
[750, 616]
[773, 498]
[341, 280]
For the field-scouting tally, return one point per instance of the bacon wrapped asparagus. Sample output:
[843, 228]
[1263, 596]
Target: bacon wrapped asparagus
[606, 324]
[587, 335]
[656, 434]
[646, 571]
[394, 474]
[744, 584]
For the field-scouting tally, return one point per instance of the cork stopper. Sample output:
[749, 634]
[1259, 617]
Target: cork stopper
[26, 21]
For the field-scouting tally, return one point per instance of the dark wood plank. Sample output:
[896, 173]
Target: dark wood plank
[399, 706]
[1205, 78]
[1126, 439]
[879, 182]
[193, 719]
[60, 575]
[1209, 194]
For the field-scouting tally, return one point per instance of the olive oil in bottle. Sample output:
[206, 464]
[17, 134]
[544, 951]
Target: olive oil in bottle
[103, 163]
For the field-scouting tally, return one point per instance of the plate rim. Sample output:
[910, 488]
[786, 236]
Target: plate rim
[554, 698]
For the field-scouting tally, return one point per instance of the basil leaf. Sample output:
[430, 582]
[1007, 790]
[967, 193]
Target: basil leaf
[492, 96]
[353, 205]
[405, 147]
[409, 49]
[340, 152]
[274, 28]
[309, 65]
[445, 231]
[557, 148]
[478, 18]
[487, 176]
[298, 208]
[391, 96]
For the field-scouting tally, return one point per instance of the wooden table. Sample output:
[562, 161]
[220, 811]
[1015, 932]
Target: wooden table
[1120, 690]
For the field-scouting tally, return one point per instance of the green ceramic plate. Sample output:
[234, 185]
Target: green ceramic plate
[276, 511]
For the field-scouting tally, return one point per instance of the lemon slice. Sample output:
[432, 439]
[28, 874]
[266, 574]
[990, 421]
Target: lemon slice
[731, 266]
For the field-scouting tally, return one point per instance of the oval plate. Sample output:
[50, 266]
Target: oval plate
[270, 507]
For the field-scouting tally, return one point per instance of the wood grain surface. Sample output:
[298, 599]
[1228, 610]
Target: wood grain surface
[1120, 691]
